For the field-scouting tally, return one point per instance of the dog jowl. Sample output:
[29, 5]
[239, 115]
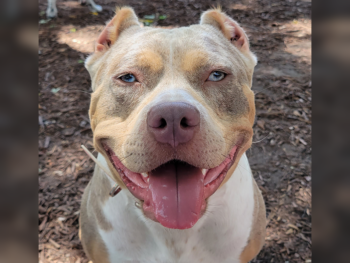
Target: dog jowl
[172, 112]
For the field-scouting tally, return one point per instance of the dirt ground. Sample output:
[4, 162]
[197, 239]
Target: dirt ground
[280, 157]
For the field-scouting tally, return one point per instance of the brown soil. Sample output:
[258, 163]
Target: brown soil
[280, 33]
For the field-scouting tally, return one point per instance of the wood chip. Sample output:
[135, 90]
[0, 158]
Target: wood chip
[56, 245]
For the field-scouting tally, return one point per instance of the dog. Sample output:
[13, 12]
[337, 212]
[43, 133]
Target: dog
[172, 112]
[51, 10]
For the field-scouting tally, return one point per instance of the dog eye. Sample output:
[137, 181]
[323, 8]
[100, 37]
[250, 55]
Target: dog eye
[128, 78]
[217, 76]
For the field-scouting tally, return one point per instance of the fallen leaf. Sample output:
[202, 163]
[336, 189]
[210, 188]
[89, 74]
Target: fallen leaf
[296, 113]
[56, 245]
[302, 141]
[43, 224]
[301, 235]
[308, 211]
[55, 147]
[293, 226]
[61, 218]
[44, 21]
[60, 173]
[290, 231]
[261, 124]
[55, 90]
[149, 17]
[47, 142]
[68, 131]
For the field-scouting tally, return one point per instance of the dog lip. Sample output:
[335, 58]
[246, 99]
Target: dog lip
[142, 179]
[214, 173]
[138, 184]
[136, 178]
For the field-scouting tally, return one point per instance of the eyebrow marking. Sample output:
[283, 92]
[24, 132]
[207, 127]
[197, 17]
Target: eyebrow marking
[194, 59]
[150, 59]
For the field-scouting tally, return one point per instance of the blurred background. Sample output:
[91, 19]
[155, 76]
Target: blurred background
[18, 129]
[46, 90]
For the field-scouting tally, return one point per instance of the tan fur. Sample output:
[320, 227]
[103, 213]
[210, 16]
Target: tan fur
[257, 233]
[229, 27]
[150, 59]
[216, 18]
[193, 60]
[124, 18]
[251, 102]
[118, 110]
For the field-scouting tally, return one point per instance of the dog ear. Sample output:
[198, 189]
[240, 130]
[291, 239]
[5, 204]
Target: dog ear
[124, 18]
[229, 27]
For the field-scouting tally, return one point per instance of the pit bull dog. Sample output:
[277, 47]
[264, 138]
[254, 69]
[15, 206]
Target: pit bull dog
[172, 112]
[51, 10]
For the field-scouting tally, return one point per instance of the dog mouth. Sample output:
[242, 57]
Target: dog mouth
[175, 193]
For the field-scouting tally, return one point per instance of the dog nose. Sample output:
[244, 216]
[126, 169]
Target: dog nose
[173, 122]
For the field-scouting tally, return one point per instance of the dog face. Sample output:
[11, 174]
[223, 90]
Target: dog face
[172, 110]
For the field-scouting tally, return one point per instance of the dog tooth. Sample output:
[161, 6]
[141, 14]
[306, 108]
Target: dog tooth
[138, 205]
[204, 171]
[144, 174]
[147, 180]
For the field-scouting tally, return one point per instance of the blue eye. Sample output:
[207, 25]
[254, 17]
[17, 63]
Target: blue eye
[128, 78]
[216, 76]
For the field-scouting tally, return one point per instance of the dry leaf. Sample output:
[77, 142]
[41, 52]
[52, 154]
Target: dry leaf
[261, 124]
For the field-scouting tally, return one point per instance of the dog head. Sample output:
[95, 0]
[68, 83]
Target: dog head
[172, 110]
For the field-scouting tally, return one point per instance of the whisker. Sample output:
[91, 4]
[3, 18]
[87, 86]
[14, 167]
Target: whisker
[123, 158]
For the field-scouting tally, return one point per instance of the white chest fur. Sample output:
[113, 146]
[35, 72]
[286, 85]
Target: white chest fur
[219, 236]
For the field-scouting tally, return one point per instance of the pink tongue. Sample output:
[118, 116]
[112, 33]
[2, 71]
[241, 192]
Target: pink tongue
[177, 194]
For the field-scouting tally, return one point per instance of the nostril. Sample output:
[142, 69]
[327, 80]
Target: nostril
[162, 123]
[184, 123]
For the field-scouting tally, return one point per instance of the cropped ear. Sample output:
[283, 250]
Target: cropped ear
[124, 18]
[229, 27]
